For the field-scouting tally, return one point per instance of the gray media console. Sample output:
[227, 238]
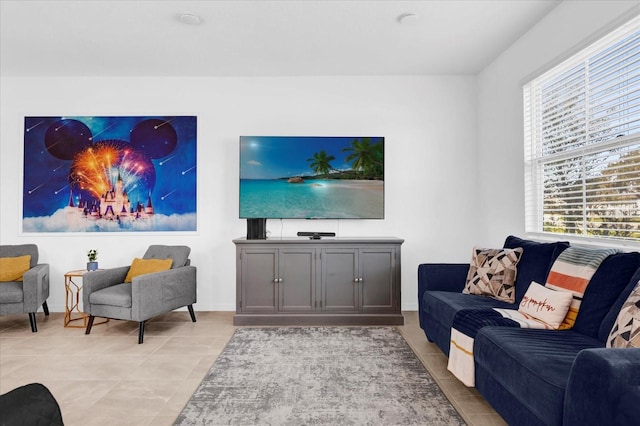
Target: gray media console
[333, 281]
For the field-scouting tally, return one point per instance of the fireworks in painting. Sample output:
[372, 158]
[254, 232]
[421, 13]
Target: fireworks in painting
[94, 169]
[109, 174]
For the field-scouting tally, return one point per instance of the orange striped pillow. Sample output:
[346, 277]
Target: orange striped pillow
[571, 272]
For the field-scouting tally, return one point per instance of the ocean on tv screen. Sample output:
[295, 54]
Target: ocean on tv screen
[313, 199]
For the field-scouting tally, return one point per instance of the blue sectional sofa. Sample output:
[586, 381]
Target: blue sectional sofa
[544, 377]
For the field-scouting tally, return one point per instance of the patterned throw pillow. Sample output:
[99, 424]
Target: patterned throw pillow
[493, 273]
[626, 330]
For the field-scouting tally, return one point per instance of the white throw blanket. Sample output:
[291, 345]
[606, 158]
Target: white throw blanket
[461, 349]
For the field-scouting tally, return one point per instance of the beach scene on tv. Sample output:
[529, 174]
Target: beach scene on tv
[289, 177]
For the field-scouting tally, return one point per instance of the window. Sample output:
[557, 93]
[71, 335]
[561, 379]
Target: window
[582, 142]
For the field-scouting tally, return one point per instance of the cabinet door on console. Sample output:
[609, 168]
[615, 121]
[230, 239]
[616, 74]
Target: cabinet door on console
[297, 280]
[339, 285]
[259, 272]
[377, 273]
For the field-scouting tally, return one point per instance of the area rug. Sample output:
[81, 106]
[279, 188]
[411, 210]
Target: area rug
[318, 376]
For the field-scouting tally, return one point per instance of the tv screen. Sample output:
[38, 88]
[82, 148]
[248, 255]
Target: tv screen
[303, 177]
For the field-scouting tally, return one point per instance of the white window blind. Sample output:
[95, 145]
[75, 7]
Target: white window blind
[582, 142]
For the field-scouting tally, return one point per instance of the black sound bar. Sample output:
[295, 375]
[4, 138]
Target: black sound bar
[316, 235]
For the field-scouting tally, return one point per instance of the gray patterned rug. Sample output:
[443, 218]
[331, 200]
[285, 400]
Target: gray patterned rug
[318, 376]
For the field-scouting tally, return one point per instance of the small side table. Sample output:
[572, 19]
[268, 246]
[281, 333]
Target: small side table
[72, 310]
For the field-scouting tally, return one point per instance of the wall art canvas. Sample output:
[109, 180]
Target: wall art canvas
[109, 174]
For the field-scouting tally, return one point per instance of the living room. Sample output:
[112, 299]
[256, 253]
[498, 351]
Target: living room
[453, 145]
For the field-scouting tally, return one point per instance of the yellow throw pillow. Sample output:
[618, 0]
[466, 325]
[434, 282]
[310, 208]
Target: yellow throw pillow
[13, 268]
[147, 266]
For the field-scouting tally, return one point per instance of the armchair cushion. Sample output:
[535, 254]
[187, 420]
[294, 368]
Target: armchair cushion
[20, 250]
[179, 254]
[116, 295]
[13, 268]
[147, 266]
[11, 292]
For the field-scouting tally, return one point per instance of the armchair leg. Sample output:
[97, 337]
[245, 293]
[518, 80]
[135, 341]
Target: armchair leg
[45, 307]
[193, 315]
[32, 321]
[141, 333]
[89, 324]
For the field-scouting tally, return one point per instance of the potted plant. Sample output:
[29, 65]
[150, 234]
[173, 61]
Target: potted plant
[92, 255]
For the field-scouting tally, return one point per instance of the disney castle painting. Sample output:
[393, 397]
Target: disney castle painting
[109, 174]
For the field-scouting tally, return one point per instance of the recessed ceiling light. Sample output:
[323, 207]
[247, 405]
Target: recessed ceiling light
[190, 18]
[408, 19]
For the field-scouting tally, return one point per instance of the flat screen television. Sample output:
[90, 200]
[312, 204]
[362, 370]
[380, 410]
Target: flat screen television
[311, 177]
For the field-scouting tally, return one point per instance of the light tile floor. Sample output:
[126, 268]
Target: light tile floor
[106, 378]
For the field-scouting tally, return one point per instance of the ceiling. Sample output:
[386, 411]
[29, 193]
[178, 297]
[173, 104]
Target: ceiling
[260, 37]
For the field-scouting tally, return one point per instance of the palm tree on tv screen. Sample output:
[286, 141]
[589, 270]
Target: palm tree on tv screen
[321, 162]
[366, 158]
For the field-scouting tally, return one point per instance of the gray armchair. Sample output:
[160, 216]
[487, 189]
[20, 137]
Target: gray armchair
[27, 296]
[106, 295]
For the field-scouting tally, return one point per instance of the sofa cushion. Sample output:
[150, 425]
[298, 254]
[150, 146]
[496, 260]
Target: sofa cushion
[610, 317]
[535, 262]
[492, 273]
[603, 290]
[442, 306]
[533, 365]
[626, 330]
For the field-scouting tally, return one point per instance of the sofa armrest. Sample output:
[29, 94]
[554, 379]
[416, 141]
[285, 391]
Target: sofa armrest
[159, 292]
[603, 387]
[97, 280]
[442, 277]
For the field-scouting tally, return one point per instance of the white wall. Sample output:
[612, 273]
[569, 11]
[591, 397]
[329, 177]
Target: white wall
[453, 152]
[429, 124]
[500, 115]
